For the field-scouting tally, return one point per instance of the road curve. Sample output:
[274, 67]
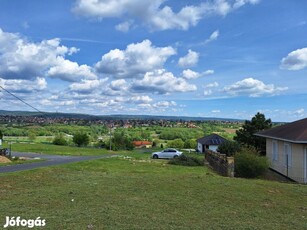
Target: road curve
[50, 160]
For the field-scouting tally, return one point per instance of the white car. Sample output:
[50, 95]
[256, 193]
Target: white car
[166, 153]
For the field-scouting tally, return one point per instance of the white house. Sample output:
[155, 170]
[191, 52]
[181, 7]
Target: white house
[286, 149]
[210, 142]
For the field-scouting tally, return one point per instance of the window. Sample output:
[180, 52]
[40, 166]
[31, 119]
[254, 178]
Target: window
[275, 151]
[287, 154]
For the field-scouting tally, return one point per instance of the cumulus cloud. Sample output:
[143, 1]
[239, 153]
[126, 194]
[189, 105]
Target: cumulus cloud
[23, 86]
[253, 88]
[22, 59]
[190, 74]
[135, 60]
[87, 86]
[191, 59]
[212, 37]
[154, 13]
[141, 99]
[70, 71]
[296, 60]
[162, 82]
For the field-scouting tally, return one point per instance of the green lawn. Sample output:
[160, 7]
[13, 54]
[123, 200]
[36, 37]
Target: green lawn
[55, 149]
[139, 193]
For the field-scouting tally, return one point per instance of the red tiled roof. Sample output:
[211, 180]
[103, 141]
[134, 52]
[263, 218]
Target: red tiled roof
[140, 143]
[293, 132]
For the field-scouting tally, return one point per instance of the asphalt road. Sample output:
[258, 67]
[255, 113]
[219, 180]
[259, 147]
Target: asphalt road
[49, 161]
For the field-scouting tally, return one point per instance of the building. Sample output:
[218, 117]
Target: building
[142, 144]
[210, 142]
[286, 149]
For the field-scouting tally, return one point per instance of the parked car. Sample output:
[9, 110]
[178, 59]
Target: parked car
[166, 153]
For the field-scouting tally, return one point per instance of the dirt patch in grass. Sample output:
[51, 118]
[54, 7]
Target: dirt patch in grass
[4, 160]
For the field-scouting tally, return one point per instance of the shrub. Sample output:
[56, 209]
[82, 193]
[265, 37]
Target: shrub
[229, 148]
[186, 161]
[177, 143]
[81, 139]
[59, 140]
[250, 165]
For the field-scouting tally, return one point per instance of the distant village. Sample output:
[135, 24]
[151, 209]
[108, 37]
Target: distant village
[124, 123]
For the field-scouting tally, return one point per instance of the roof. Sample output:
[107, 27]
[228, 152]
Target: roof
[140, 143]
[295, 132]
[212, 139]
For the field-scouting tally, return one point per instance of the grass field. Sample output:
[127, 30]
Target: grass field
[55, 149]
[139, 193]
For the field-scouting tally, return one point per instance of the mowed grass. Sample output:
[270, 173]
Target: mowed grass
[56, 149]
[140, 193]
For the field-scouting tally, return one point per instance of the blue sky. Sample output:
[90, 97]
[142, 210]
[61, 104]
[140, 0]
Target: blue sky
[211, 58]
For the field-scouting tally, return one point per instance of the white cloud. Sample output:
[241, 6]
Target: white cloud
[191, 59]
[141, 99]
[162, 82]
[24, 86]
[165, 104]
[190, 74]
[253, 88]
[207, 92]
[135, 61]
[212, 37]
[216, 111]
[124, 26]
[70, 71]
[154, 13]
[212, 85]
[240, 3]
[296, 60]
[87, 86]
[208, 72]
[21, 59]
[299, 112]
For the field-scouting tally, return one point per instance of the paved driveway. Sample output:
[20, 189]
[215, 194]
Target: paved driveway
[49, 161]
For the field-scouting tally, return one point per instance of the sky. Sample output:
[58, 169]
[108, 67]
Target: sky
[200, 58]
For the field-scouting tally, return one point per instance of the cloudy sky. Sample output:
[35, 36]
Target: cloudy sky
[209, 58]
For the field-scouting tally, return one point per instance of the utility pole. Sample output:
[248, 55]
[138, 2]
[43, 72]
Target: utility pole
[110, 137]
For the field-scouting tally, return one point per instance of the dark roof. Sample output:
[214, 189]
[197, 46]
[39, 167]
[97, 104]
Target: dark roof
[212, 139]
[295, 132]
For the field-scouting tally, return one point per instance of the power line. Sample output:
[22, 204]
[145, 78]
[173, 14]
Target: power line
[22, 100]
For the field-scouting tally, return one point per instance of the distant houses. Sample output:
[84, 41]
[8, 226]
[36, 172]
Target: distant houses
[286, 149]
[210, 142]
[142, 144]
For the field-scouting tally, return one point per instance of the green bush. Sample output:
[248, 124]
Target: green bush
[81, 139]
[250, 165]
[229, 148]
[177, 143]
[186, 161]
[59, 140]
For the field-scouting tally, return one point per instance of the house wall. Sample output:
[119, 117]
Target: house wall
[199, 147]
[294, 171]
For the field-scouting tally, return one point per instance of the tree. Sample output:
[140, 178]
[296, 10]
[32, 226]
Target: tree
[177, 143]
[81, 139]
[59, 139]
[190, 144]
[1, 135]
[229, 148]
[245, 135]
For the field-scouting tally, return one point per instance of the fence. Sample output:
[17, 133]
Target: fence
[220, 163]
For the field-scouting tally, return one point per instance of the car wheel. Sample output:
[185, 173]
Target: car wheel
[155, 156]
[175, 156]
